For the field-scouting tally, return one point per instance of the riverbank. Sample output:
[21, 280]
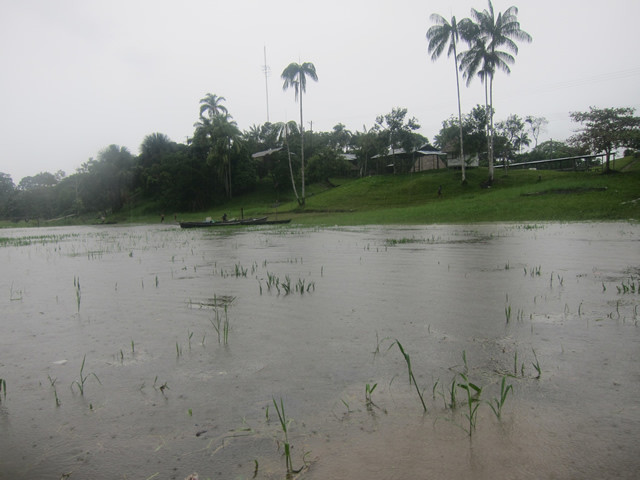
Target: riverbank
[514, 196]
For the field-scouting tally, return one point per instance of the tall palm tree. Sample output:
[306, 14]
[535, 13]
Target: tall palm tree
[447, 35]
[295, 75]
[480, 62]
[226, 140]
[492, 33]
[212, 104]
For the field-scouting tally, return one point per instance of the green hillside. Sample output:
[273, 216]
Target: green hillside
[519, 195]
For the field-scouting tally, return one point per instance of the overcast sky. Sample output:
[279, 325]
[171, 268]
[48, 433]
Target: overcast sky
[77, 76]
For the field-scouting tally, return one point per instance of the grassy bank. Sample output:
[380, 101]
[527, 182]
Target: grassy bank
[521, 195]
[515, 196]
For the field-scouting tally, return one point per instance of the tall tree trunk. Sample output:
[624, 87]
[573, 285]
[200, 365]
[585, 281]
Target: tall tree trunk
[301, 141]
[486, 107]
[229, 171]
[491, 128]
[455, 57]
[229, 180]
[293, 182]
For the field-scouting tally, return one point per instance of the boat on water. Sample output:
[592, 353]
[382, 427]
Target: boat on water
[231, 223]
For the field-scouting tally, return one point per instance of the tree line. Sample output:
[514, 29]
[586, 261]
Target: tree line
[219, 160]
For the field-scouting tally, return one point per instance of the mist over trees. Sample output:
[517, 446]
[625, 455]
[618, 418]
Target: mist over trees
[219, 161]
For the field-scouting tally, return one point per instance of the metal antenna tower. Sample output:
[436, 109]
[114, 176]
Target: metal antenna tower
[267, 71]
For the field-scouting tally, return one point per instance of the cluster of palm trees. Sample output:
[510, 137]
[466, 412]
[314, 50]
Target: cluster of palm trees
[487, 36]
[217, 128]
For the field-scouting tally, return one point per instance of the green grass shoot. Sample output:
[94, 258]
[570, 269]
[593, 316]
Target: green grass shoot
[412, 378]
[368, 390]
[473, 401]
[536, 364]
[83, 378]
[283, 424]
[498, 403]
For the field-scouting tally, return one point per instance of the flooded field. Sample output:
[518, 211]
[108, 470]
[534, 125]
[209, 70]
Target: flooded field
[146, 352]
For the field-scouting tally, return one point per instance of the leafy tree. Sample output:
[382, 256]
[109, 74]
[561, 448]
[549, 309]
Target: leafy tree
[340, 137]
[368, 145]
[7, 189]
[489, 34]
[66, 198]
[6, 186]
[295, 76]
[398, 133]
[513, 128]
[106, 182]
[42, 179]
[226, 139]
[474, 127]
[537, 125]
[180, 181]
[153, 148]
[327, 163]
[549, 150]
[606, 130]
[443, 35]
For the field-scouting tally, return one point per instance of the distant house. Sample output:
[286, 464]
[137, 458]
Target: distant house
[453, 160]
[424, 158]
[428, 158]
[352, 160]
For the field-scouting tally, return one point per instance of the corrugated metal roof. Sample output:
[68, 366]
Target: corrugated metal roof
[266, 152]
[431, 152]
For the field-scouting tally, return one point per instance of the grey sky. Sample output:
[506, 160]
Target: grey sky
[80, 75]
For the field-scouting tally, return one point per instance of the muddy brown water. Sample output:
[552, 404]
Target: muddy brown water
[145, 318]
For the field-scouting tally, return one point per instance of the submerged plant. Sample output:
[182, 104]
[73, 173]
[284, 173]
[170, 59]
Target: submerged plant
[473, 401]
[225, 330]
[76, 284]
[536, 364]
[284, 425]
[367, 394]
[452, 395]
[14, 294]
[216, 323]
[3, 388]
[221, 328]
[286, 285]
[498, 403]
[83, 378]
[412, 378]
